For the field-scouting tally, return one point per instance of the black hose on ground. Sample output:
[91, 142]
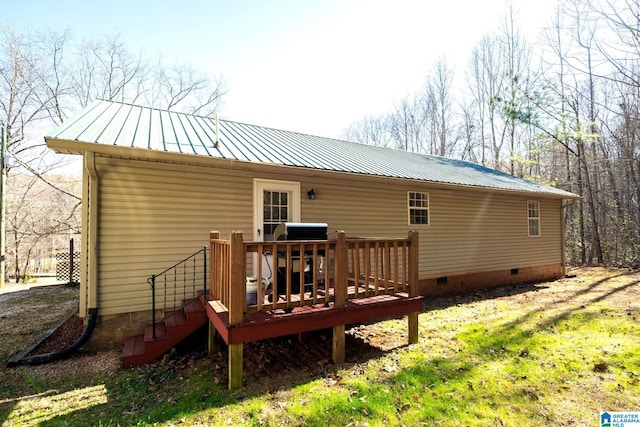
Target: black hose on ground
[61, 354]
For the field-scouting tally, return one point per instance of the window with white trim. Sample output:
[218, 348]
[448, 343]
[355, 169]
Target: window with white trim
[418, 208]
[533, 208]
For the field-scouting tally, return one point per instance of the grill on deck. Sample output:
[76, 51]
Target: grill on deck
[301, 231]
[300, 264]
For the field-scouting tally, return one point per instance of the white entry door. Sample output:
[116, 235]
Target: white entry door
[275, 202]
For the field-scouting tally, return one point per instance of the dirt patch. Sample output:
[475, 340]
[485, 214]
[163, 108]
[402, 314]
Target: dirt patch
[63, 337]
[80, 363]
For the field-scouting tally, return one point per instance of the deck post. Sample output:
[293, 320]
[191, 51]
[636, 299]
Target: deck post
[213, 266]
[235, 366]
[340, 293]
[237, 279]
[212, 344]
[237, 303]
[413, 283]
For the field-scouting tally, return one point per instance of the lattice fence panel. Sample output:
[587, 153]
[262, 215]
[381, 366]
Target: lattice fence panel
[63, 267]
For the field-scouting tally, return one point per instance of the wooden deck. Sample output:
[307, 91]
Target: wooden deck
[362, 280]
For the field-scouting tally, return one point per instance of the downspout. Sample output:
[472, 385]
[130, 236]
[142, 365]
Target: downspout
[89, 268]
[563, 239]
[92, 239]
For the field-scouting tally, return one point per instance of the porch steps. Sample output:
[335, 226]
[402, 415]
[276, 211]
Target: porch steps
[178, 325]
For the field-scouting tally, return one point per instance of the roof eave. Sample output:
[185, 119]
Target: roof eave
[64, 146]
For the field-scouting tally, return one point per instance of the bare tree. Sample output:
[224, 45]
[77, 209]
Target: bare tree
[406, 124]
[439, 113]
[592, 115]
[106, 69]
[182, 87]
[573, 120]
[35, 214]
[501, 83]
[488, 91]
[516, 112]
[44, 78]
[371, 130]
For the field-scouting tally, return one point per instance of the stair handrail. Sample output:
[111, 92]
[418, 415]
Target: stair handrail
[151, 280]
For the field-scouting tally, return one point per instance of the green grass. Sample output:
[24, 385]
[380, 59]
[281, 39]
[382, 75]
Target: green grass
[517, 361]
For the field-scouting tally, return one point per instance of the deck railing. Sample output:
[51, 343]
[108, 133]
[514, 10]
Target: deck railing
[304, 273]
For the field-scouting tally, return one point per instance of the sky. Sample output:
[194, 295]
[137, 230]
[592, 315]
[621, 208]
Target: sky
[312, 66]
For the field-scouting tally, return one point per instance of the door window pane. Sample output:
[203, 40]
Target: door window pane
[276, 210]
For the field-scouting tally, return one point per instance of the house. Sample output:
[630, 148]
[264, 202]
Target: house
[156, 183]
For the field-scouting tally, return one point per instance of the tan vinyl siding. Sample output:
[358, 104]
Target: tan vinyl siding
[470, 231]
[154, 214]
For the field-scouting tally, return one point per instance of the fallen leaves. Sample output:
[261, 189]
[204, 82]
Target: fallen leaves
[600, 367]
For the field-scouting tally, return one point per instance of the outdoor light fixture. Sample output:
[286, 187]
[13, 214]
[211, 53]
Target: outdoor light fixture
[311, 194]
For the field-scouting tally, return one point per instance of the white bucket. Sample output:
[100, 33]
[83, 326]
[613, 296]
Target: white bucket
[252, 290]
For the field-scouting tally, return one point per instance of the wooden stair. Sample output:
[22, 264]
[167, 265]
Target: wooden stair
[178, 325]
